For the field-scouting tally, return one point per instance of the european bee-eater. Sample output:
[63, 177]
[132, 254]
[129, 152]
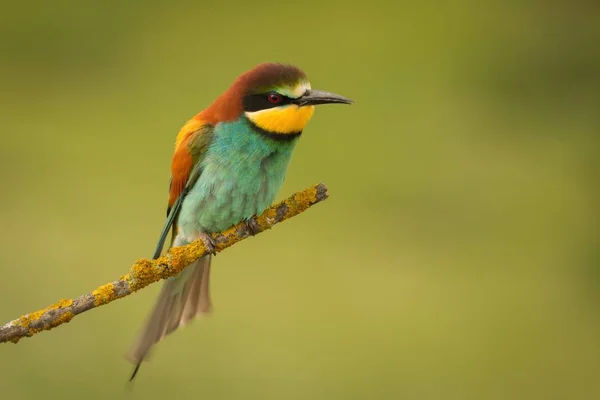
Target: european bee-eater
[229, 163]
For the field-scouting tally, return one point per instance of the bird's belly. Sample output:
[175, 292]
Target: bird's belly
[223, 196]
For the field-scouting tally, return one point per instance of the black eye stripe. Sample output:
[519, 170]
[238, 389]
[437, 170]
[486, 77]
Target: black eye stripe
[257, 102]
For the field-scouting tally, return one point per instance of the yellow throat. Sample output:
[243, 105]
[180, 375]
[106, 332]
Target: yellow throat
[284, 120]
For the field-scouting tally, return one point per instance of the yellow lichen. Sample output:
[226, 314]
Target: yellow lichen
[181, 257]
[63, 319]
[27, 319]
[301, 201]
[141, 274]
[231, 237]
[33, 331]
[266, 219]
[104, 294]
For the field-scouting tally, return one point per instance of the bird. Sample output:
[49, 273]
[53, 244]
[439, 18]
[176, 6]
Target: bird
[229, 162]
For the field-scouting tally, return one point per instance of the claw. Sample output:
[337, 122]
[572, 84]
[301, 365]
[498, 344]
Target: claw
[209, 242]
[252, 226]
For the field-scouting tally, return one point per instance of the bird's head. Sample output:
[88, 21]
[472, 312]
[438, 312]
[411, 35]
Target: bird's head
[275, 98]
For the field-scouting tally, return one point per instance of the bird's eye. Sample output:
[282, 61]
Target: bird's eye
[274, 98]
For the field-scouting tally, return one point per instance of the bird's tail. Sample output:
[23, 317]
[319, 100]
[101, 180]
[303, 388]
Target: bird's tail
[181, 299]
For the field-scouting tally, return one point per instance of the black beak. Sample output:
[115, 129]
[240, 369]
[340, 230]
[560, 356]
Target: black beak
[314, 97]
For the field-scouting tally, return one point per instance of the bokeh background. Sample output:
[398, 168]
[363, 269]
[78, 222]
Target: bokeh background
[457, 257]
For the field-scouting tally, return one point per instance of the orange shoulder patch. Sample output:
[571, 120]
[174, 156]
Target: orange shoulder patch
[183, 161]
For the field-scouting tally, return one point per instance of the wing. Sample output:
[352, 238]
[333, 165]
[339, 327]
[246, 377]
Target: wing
[190, 147]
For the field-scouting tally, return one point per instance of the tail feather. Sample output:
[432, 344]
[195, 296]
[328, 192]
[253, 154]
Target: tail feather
[181, 299]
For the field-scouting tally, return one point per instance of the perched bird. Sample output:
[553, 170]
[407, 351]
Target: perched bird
[229, 163]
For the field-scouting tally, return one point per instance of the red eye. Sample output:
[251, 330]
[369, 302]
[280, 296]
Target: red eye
[274, 98]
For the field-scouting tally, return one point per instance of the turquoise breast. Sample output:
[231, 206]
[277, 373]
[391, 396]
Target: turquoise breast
[242, 172]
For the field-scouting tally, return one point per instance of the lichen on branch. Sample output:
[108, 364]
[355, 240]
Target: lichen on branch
[146, 271]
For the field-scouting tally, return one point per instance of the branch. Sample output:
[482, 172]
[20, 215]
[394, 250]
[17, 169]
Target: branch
[145, 271]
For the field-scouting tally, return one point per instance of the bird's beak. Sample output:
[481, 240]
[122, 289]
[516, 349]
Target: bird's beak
[314, 97]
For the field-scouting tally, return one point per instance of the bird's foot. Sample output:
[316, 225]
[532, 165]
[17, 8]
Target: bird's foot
[209, 242]
[252, 226]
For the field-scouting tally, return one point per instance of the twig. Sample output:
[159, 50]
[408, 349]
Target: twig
[145, 271]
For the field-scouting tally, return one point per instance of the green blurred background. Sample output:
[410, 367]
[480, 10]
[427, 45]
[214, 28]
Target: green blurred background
[458, 254]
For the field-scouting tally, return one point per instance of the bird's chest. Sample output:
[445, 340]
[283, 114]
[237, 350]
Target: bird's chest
[238, 181]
